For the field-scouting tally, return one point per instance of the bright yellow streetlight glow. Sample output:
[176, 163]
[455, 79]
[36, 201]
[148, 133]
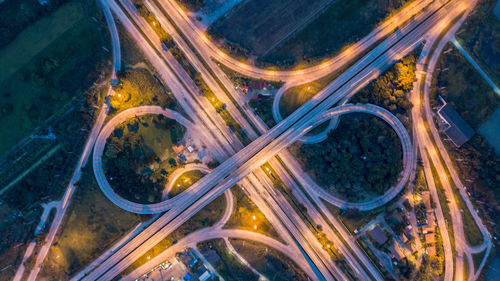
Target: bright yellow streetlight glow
[119, 95]
[267, 169]
[253, 217]
[254, 226]
[149, 257]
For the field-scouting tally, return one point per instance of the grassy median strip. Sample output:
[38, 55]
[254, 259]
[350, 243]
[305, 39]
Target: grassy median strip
[316, 230]
[228, 266]
[444, 204]
[270, 262]
[246, 215]
[478, 258]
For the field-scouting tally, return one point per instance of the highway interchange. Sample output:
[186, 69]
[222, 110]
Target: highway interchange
[241, 164]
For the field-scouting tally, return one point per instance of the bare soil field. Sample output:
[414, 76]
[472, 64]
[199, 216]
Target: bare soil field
[260, 25]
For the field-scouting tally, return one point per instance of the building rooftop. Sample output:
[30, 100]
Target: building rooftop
[378, 235]
[431, 251]
[458, 130]
[395, 252]
[187, 258]
[430, 238]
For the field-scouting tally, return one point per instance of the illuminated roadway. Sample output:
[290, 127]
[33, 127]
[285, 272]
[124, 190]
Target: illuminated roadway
[301, 76]
[164, 73]
[364, 76]
[169, 203]
[317, 106]
[100, 143]
[463, 250]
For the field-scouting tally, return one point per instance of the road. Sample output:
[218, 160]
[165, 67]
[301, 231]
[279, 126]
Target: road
[361, 75]
[321, 101]
[61, 210]
[181, 98]
[180, 71]
[427, 149]
[296, 77]
[178, 172]
[100, 143]
[462, 248]
[259, 124]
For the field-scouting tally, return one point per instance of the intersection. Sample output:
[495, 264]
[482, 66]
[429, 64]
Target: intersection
[419, 22]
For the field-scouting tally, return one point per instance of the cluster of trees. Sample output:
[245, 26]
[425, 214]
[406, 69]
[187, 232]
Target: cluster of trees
[193, 5]
[362, 157]
[263, 107]
[479, 168]
[404, 269]
[138, 87]
[396, 226]
[132, 167]
[431, 267]
[389, 89]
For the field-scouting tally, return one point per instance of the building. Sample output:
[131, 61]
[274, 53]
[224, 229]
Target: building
[430, 218]
[403, 238]
[395, 252]
[378, 235]
[456, 128]
[430, 238]
[202, 273]
[431, 251]
[428, 228]
[187, 277]
[188, 258]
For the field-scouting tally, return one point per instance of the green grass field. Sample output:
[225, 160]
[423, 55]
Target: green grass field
[37, 37]
[338, 26]
[184, 181]
[139, 87]
[247, 216]
[463, 87]
[297, 96]
[269, 261]
[92, 225]
[481, 38]
[42, 75]
[255, 27]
